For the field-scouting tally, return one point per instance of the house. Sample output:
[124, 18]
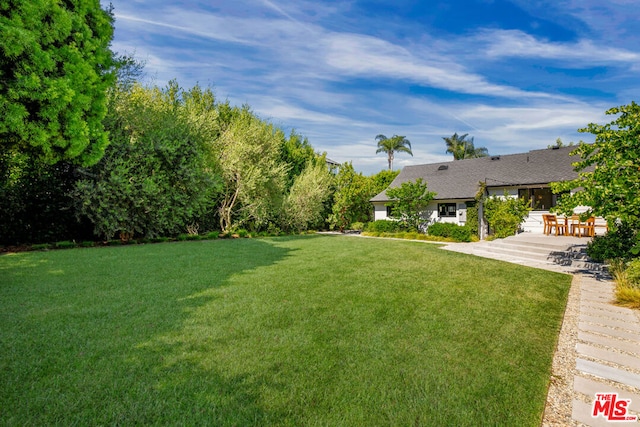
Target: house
[457, 182]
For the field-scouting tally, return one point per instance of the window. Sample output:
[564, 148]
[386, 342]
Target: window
[446, 210]
[389, 212]
[540, 199]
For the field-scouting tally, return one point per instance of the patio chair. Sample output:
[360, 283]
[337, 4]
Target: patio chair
[588, 227]
[573, 227]
[551, 223]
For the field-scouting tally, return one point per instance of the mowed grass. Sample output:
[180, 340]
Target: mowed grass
[314, 331]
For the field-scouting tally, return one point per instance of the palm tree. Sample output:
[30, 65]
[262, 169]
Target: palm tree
[392, 145]
[463, 148]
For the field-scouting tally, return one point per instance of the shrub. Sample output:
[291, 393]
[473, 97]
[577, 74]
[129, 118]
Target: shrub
[213, 235]
[160, 239]
[65, 244]
[385, 226]
[182, 237]
[616, 243]
[505, 214]
[633, 273]
[87, 244]
[40, 247]
[358, 226]
[242, 233]
[472, 218]
[627, 278]
[457, 232]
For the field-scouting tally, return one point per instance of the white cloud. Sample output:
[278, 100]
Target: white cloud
[584, 53]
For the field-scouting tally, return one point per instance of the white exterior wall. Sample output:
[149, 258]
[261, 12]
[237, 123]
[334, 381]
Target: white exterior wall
[379, 211]
[532, 224]
[431, 213]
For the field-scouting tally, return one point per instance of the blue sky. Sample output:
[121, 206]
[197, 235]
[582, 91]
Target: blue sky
[514, 74]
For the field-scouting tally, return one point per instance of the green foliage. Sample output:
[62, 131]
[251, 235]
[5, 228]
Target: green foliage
[463, 148]
[65, 244]
[358, 226]
[633, 272]
[409, 202]
[457, 232]
[505, 214]
[386, 226]
[153, 179]
[252, 171]
[472, 218]
[304, 205]
[297, 154]
[41, 246]
[617, 243]
[395, 144]
[609, 176]
[35, 201]
[213, 235]
[627, 278]
[351, 198]
[55, 68]
[382, 180]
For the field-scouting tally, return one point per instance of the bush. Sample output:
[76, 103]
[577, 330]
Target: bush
[40, 247]
[242, 233]
[505, 214]
[457, 232]
[633, 273]
[627, 278]
[66, 244]
[385, 226]
[616, 243]
[358, 226]
[213, 235]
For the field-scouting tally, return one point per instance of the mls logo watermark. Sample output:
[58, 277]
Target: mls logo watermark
[612, 408]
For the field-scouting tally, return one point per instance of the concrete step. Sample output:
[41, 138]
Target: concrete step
[550, 251]
[609, 373]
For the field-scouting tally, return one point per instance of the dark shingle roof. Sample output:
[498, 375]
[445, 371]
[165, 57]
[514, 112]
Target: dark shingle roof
[459, 179]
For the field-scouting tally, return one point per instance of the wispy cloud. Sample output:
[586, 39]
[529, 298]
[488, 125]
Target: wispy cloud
[513, 43]
[341, 78]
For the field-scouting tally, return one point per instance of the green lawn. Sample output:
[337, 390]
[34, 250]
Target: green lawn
[317, 330]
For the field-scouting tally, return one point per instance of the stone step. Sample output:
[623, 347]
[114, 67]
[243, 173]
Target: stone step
[620, 333]
[574, 260]
[611, 356]
[630, 347]
[608, 321]
[609, 373]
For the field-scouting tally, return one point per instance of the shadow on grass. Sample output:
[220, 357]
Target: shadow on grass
[77, 326]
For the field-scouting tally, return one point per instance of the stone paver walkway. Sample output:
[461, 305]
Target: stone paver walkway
[607, 353]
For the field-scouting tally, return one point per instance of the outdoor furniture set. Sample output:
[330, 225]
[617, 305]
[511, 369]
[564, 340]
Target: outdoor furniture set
[569, 226]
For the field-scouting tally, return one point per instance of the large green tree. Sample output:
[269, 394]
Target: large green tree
[303, 206]
[390, 146]
[55, 69]
[154, 178]
[253, 173]
[352, 192]
[463, 148]
[609, 170]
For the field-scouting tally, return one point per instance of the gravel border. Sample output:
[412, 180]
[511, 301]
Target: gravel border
[559, 406]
